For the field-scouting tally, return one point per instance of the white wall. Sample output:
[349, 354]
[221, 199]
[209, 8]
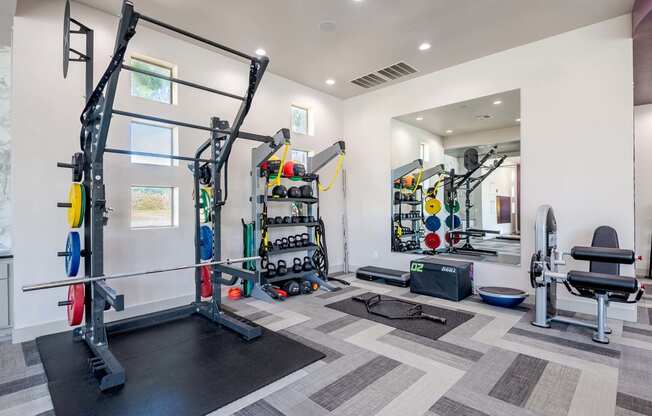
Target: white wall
[406, 140]
[576, 95]
[643, 139]
[5, 148]
[499, 183]
[46, 130]
[485, 137]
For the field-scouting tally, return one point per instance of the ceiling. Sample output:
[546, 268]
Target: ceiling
[478, 114]
[372, 34]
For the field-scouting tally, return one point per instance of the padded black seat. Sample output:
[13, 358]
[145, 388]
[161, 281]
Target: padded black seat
[601, 282]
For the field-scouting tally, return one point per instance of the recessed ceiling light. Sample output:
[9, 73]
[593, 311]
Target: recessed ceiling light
[518, 120]
[261, 52]
[498, 102]
[419, 118]
[424, 46]
[449, 131]
[330, 81]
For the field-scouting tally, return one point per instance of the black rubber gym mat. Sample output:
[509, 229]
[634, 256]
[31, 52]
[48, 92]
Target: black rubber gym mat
[424, 328]
[184, 367]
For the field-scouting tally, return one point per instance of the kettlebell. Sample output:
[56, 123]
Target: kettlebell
[279, 191]
[292, 288]
[307, 265]
[285, 242]
[281, 268]
[296, 219]
[278, 243]
[287, 220]
[297, 265]
[292, 241]
[271, 270]
[306, 287]
[305, 239]
[306, 191]
[278, 220]
[294, 192]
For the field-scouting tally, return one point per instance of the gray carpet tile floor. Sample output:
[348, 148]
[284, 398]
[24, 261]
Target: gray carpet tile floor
[495, 364]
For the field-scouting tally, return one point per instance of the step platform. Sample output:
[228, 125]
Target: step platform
[382, 275]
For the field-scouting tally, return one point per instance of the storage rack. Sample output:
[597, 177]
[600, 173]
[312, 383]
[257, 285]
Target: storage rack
[260, 198]
[415, 206]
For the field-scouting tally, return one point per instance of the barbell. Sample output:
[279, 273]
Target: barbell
[81, 280]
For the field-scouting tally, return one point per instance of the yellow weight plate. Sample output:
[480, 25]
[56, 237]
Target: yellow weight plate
[433, 206]
[75, 211]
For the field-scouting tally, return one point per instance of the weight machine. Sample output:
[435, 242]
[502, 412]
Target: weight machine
[602, 282]
[96, 295]
[453, 183]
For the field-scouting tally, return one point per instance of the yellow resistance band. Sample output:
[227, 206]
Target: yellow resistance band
[340, 160]
[417, 182]
[277, 181]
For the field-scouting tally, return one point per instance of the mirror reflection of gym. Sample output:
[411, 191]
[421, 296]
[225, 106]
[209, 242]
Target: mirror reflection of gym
[455, 180]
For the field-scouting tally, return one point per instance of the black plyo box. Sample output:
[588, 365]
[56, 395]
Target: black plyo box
[446, 279]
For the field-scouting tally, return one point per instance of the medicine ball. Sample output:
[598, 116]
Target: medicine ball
[294, 192]
[306, 191]
[299, 171]
[288, 169]
[279, 191]
[271, 167]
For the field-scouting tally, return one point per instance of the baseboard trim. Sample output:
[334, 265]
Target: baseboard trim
[29, 333]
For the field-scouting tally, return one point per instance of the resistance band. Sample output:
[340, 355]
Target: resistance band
[340, 160]
[277, 181]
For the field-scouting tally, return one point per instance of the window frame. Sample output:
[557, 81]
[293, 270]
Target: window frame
[174, 210]
[162, 64]
[308, 119]
[174, 143]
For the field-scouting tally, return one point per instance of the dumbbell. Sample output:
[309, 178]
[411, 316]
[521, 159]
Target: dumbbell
[297, 265]
[281, 268]
[292, 288]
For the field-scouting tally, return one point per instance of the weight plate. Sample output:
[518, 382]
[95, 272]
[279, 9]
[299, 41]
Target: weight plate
[456, 207]
[75, 210]
[433, 206]
[456, 238]
[75, 309]
[433, 223]
[66, 38]
[206, 242]
[205, 204]
[456, 222]
[206, 283]
[73, 258]
[433, 241]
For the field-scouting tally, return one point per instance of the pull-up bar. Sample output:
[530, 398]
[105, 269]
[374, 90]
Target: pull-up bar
[195, 37]
[158, 155]
[182, 82]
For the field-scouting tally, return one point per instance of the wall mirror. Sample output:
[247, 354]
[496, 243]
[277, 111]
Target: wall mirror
[455, 180]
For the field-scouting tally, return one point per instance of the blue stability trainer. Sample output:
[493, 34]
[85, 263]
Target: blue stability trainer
[73, 254]
[502, 296]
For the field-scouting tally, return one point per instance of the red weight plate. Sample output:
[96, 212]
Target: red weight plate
[433, 241]
[76, 308]
[456, 238]
[206, 284]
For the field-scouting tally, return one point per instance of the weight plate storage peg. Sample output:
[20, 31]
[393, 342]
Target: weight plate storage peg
[433, 241]
[433, 223]
[76, 199]
[453, 221]
[433, 206]
[73, 254]
[75, 304]
[206, 242]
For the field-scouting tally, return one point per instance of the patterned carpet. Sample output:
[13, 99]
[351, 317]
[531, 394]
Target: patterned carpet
[495, 364]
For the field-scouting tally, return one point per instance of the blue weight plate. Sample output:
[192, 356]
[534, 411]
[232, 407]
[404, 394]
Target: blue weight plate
[433, 223]
[456, 222]
[73, 258]
[206, 242]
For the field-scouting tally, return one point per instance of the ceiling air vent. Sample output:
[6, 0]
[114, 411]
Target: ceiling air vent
[368, 81]
[399, 70]
[384, 75]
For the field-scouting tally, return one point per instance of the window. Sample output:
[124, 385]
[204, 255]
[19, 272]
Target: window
[299, 120]
[153, 207]
[149, 87]
[300, 156]
[423, 152]
[153, 138]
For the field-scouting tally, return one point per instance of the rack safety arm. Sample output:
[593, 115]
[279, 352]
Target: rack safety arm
[401, 171]
[322, 158]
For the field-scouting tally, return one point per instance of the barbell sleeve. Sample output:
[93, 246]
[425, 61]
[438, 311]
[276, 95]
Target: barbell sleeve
[64, 205]
[83, 280]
